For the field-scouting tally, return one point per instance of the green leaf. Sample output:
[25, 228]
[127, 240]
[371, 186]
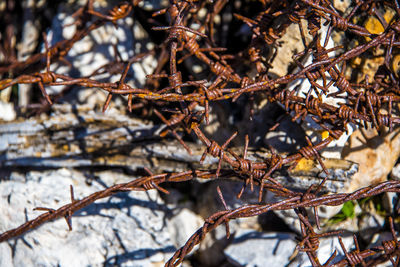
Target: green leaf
[348, 209]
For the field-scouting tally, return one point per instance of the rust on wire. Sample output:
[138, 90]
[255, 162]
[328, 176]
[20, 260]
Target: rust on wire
[192, 37]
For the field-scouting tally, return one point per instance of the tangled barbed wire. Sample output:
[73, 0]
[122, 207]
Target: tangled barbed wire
[332, 73]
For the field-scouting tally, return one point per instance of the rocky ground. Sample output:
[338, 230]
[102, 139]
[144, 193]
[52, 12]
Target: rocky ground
[45, 154]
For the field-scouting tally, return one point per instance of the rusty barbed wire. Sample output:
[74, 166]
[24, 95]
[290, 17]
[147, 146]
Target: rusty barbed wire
[194, 38]
[142, 184]
[292, 201]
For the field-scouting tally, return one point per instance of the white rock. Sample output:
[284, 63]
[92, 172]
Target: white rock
[275, 249]
[376, 155]
[183, 225]
[211, 249]
[312, 129]
[328, 245]
[252, 248]
[7, 112]
[369, 224]
[96, 49]
[395, 174]
[128, 229]
[5, 252]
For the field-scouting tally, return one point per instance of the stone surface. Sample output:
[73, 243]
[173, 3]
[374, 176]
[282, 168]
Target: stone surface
[211, 249]
[7, 112]
[311, 128]
[376, 155]
[252, 248]
[342, 5]
[290, 44]
[96, 51]
[182, 225]
[77, 136]
[395, 174]
[28, 45]
[127, 229]
[369, 224]
[153, 5]
[329, 245]
[5, 252]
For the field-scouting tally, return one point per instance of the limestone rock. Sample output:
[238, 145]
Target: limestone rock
[7, 112]
[96, 51]
[5, 252]
[376, 155]
[126, 229]
[211, 249]
[182, 225]
[77, 136]
[251, 248]
[329, 245]
[290, 45]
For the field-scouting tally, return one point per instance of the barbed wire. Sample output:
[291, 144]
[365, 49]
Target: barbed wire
[367, 101]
